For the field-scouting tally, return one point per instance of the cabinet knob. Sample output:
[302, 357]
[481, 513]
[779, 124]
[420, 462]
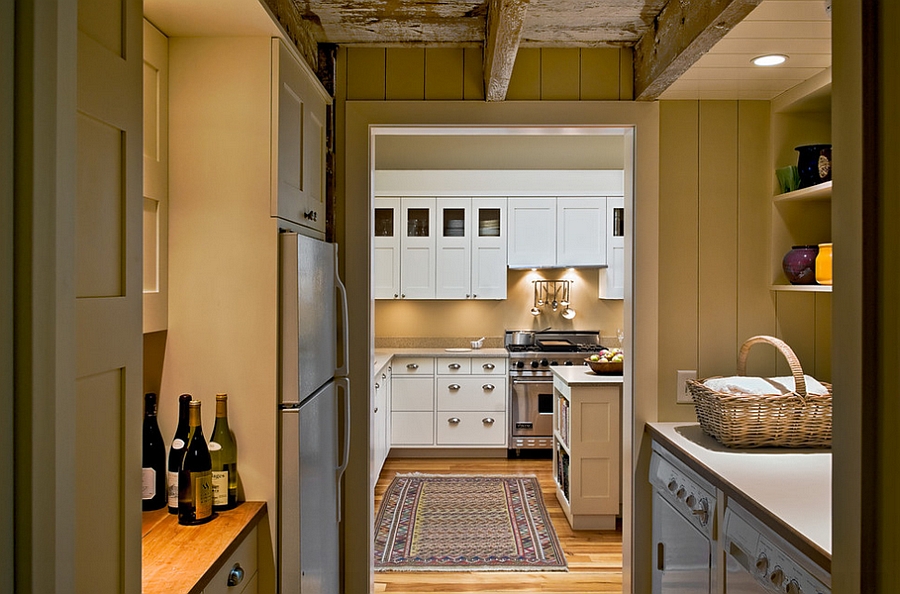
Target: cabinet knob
[376, 409]
[467, 295]
[402, 295]
[488, 387]
[453, 387]
[236, 575]
[487, 421]
[377, 385]
[453, 366]
[311, 215]
[453, 420]
[474, 296]
[396, 295]
[383, 376]
[488, 366]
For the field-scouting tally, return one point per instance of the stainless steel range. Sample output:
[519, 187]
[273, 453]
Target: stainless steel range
[531, 355]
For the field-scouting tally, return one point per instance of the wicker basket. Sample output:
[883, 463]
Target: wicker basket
[797, 420]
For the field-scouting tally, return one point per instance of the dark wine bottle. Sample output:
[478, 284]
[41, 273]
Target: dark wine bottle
[195, 490]
[153, 459]
[176, 451]
[223, 451]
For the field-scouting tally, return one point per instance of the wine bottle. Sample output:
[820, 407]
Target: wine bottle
[195, 476]
[176, 451]
[223, 451]
[153, 459]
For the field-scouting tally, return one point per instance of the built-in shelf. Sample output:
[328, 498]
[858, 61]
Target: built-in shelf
[802, 288]
[817, 192]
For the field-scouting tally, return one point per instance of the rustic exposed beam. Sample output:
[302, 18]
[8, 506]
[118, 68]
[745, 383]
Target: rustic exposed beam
[299, 29]
[503, 31]
[681, 34]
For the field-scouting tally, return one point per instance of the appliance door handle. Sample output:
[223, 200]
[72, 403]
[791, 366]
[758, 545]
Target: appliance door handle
[344, 369]
[343, 383]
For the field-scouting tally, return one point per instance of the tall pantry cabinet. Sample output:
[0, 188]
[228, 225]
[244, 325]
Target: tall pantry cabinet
[246, 159]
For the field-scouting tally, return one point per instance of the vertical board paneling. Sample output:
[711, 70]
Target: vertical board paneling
[365, 73]
[796, 313]
[444, 73]
[678, 249]
[600, 74]
[405, 74]
[717, 329]
[626, 74]
[525, 82]
[823, 337]
[755, 309]
[473, 79]
[559, 74]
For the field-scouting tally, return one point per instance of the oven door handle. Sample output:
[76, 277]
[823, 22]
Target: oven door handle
[532, 380]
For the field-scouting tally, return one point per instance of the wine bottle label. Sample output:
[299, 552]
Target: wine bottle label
[202, 494]
[220, 486]
[148, 483]
[214, 446]
[177, 444]
[172, 490]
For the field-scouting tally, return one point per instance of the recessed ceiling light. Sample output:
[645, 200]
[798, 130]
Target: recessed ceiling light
[769, 60]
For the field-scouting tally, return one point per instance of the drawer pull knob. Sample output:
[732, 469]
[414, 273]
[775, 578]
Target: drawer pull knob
[487, 387]
[488, 366]
[376, 409]
[412, 366]
[453, 387]
[487, 421]
[453, 420]
[383, 376]
[454, 366]
[236, 575]
[377, 385]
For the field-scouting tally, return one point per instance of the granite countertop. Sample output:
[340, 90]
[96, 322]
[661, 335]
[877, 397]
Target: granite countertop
[581, 375]
[383, 354]
[789, 490]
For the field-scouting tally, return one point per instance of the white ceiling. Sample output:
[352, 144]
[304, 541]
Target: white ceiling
[800, 29]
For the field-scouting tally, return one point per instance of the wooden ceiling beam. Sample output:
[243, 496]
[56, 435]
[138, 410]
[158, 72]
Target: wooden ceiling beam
[503, 31]
[680, 35]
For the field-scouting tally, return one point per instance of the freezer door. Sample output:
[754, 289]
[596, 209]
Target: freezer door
[308, 540]
[308, 322]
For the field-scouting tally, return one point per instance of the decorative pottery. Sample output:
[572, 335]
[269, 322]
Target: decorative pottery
[823, 264]
[814, 164]
[799, 264]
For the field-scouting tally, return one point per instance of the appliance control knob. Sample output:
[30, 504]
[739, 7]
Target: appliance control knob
[701, 511]
[777, 576]
[535, 363]
[672, 485]
[691, 500]
[554, 362]
[762, 564]
[793, 587]
[568, 363]
[680, 493]
[544, 363]
[520, 364]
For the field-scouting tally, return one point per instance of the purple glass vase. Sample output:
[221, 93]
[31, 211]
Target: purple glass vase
[799, 264]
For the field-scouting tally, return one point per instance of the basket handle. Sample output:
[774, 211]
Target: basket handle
[793, 361]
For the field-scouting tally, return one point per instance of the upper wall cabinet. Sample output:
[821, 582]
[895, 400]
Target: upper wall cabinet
[612, 278]
[557, 232]
[298, 142]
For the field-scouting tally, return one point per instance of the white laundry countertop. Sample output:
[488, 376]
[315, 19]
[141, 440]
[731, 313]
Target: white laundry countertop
[788, 489]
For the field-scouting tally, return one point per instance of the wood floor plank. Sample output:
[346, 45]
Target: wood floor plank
[594, 556]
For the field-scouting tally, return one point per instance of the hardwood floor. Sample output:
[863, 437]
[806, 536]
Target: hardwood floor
[594, 557]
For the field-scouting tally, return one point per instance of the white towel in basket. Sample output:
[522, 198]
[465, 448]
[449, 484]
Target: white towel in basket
[742, 384]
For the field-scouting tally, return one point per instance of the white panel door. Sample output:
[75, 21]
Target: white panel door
[454, 244]
[108, 296]
[581, 232]
[532, 232]
[612, 278]
[489, 248]
[386, 254]
[417, 249]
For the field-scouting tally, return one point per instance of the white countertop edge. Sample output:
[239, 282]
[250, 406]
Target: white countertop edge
[581, 375]
[382, 355]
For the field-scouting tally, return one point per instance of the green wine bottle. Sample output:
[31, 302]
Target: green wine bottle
[195, 477]
[223, 451]
[176, 450]
[153, 459]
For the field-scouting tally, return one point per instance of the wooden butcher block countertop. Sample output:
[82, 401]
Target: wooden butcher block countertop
[178, 558]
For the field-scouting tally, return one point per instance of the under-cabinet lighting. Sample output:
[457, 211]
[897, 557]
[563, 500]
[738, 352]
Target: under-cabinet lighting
[770, 60]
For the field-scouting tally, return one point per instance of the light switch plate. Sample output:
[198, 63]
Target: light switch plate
[682, 394]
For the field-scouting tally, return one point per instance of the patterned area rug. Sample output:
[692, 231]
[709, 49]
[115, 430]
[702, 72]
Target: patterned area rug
[465, 523]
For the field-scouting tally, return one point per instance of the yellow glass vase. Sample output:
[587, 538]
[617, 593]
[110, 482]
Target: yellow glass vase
[823, 264]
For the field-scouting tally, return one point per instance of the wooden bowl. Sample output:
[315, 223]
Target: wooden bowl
[609, 368]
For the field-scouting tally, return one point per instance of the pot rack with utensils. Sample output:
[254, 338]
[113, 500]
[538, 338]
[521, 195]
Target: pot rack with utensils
[554, 293]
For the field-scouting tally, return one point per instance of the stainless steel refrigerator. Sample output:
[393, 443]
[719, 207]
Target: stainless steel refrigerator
[312, 460]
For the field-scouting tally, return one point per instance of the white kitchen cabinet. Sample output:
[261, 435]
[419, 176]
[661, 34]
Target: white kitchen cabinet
[412, 401]
[471, 401]
[556, 232]
[471, 248]
[417, 248]
[238, 574]
[612, 278]
[386, 256]
[489, 248]
[298, 142]
[381, 420]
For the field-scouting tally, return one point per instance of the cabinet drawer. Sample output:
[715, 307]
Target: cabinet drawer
[412, 393]
[471, 428]
[413, 366]
[454, 366]
[412, 428]
[492, 366]
[471, 393]
[242, 561]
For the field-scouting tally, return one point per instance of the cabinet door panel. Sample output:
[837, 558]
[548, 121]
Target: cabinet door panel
[581, 232]
[386, 256]
[417, 249]
[412, 428]
[532, 232]
[412, 394]
[612, 278]
[454, 244]
[489, 248]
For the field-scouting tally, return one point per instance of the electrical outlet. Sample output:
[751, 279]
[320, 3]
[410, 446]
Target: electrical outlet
[682, 394]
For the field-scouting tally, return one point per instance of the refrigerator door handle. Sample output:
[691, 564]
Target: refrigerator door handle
[343, 383]
[344, 369]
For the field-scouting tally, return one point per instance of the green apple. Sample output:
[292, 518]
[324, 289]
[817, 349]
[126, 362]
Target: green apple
[595, 357]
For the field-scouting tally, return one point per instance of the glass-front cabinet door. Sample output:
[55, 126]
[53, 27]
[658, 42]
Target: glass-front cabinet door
[489, 248]
[454, 261]
[386, 249]
[417, 248]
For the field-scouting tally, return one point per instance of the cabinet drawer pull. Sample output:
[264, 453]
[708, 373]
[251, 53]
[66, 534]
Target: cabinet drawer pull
[453, 387]
[377, 385]
[412, 366]
[488, 387]
[454, 366]
[488, 366]
[487, 421]
[236, 575]
[383, 376]
[453, 420]
[311, 215]
[376, 409]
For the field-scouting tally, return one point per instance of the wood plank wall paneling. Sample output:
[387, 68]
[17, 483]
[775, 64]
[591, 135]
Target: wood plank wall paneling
[796, 313]
[823, 336]
[453, 74]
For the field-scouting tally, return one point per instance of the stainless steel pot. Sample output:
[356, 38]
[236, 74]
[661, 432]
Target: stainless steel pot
[522, 338]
